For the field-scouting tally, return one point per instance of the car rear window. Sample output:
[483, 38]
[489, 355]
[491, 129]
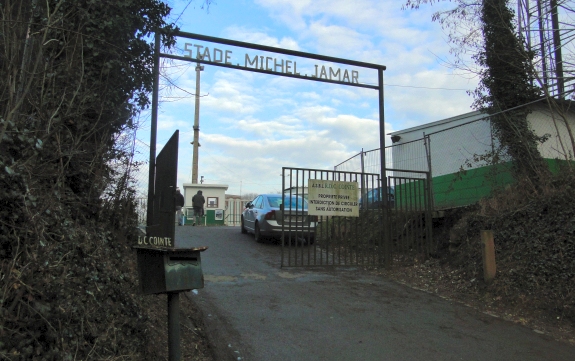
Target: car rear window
[274, 202]
[277, 201]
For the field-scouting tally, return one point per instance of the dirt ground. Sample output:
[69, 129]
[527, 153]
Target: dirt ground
[434, 277]
[194, 342]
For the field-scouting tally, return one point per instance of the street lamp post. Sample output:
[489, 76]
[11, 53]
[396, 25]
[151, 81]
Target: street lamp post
[196, 141]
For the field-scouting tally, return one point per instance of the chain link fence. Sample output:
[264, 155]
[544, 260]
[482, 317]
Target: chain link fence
[466, 161]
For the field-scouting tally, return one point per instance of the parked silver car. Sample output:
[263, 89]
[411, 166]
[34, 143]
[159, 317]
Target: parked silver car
[267, 216]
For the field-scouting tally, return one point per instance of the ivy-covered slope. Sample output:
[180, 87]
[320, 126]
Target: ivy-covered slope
[73, 75]
[535, 249]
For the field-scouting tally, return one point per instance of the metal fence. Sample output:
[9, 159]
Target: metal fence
[466, 161]
[339, 241]
[410, 215]
[385, 228]
[233, 211]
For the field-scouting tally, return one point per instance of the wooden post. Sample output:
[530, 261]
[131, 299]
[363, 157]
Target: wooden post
[488, 250]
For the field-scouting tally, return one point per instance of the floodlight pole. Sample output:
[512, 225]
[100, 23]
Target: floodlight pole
[196, 142]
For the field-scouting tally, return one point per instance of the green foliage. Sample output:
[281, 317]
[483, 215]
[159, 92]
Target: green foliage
[73, 75]
[506, 85]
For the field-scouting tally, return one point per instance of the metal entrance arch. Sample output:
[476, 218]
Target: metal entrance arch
[260, 68]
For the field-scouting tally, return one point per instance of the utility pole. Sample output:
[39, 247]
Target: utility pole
[196, 142]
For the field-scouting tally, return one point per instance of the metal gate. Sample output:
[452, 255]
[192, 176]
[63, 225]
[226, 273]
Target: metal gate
[393, 222]
[410, 222]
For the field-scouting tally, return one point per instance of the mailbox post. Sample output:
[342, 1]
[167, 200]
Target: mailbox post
[165, 270]
[171, 271]
[163, 266]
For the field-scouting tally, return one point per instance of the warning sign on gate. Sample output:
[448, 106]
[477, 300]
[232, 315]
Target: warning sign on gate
[333, 198]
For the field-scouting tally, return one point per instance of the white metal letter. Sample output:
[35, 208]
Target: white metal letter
[249, 62]
[280, 65]
[354, 76]
[187, 49]
[198, 47]
[267, 66]
[206, 54]
[337, 73]
[346, 76]
[216, 52]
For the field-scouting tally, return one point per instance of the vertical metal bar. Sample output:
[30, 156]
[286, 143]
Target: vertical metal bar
[423, 203]
[424, 218]
[541, 43]
[382, 164]
[393, 222]
[174, 352]
[329, 230]
[309, 230]
[358, 237]
[557, 46]
[282, 215]
[401, 215]
[299, 213]
[421, 216]
[427, 145]
[339, 238]
[398, 209]
[410, 214]
[406, 215]
[401, 219]
[289, 230]
[428, 211]
[347, 228]
[153, 131]
[297, 250]
[415, 216]
[363, 181]
[326, 228]
[317, 226]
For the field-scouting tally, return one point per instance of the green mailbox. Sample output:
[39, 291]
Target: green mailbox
[164, 270]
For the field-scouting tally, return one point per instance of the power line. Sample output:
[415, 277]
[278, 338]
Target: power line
[423, 87]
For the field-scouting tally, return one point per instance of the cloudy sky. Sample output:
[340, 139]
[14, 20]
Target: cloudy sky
[252, 125]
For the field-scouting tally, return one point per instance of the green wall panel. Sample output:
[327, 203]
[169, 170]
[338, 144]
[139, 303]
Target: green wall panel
[468, 187]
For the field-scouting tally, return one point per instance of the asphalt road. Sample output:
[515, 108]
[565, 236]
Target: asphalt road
[256, 311]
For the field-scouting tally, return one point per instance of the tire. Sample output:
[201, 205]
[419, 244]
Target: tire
[311, 240]
[244, 230]
[258, 234]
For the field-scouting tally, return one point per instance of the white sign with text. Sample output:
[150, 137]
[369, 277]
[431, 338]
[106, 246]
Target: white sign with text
[333, 198]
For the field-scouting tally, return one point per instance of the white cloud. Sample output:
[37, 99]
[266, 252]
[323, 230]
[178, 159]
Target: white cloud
[260, 37]
[253, 124]
[167, 122]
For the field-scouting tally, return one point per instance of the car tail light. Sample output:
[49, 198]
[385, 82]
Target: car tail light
[270, 215]
[313, 218]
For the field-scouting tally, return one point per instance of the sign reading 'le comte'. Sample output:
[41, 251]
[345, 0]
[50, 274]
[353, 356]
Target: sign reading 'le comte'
[268, 63]
[333, 198]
